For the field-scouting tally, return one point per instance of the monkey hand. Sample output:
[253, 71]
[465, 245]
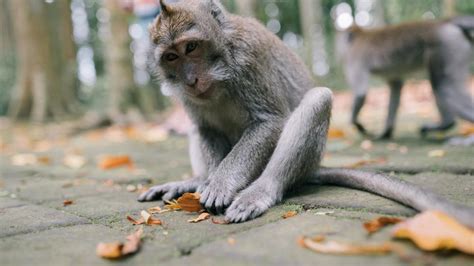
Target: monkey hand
[251, 203]
[171, 190]
[217, 194]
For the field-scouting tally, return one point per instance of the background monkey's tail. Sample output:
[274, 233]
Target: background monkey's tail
[396, 189]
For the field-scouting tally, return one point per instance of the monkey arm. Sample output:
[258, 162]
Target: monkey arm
[242, 165]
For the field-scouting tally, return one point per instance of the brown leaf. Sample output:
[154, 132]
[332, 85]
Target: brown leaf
[361, 163]
[149, 220]
[335, 247]
[336, 133]
[133, 242]
[219, 221]
[434, 230]
[134, 221]
[67, 202]
[156, 209]
[109, 250]
[118, 250]
[114, 161]
[231, 241]
[172, 205]
[467, 129]
[289, 214]
[190, 202]
[377, 224]
[203, 216]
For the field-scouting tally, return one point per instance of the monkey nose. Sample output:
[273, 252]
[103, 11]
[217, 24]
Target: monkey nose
[192, 83]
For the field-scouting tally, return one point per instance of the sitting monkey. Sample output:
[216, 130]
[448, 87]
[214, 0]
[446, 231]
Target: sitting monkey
[260, 125]
[443, 48]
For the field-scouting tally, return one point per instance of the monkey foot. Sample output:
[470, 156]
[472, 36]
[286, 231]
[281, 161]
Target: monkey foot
[249, 204]
[216, 195]
[170, 190]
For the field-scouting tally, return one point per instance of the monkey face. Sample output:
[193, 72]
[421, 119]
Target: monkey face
[189, 52]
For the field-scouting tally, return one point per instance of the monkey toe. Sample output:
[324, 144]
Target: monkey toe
[153, 193]
[249, 204]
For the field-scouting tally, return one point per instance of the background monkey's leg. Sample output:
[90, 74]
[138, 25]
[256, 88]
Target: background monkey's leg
[395, 91]
[298, 152]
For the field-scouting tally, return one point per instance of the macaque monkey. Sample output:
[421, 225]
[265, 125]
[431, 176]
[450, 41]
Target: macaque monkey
[443, 48]
[260, 124]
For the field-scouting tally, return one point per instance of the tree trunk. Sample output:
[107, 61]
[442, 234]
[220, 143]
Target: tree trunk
[123, 93]
[246, 8]
[449, 8]
[39, 92]
[314, 37]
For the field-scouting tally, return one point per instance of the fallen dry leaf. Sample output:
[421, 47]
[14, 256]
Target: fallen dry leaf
[466, 129]
[336, 133]
[203, 216]
[190, 202]
[114, 161]
[133, 242]
[67, 202]
[338, 248]
[156, 209]
[436, 153]
[74, 161]
[131, 188]
[231, 240]
[109, 250]
[434, 230]
[134, 221]
[172, 205]
[219, 221]
[289, 214]
[116, 250]
[146, 218]
[24, 159]
[361, 163]
[149, 220]
[377, 224]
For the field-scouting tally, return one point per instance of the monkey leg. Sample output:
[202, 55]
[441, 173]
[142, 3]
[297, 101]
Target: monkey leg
[395, 91]
[298, 152]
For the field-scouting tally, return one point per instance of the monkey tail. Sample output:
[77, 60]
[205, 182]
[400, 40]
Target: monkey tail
[466, 23]
[396, 189]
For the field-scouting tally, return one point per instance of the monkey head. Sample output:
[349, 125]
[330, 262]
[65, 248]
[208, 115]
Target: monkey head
[189, 48]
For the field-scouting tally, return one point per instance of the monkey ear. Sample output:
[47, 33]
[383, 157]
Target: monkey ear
[165, 8]
[217, 11]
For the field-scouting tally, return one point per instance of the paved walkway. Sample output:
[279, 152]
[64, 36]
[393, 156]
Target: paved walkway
[36, 229]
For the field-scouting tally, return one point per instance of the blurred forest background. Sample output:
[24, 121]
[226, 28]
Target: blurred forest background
[63, 59]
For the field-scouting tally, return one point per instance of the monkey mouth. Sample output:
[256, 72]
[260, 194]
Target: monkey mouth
[204, 95]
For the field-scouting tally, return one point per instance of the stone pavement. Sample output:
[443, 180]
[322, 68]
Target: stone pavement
[36, 229]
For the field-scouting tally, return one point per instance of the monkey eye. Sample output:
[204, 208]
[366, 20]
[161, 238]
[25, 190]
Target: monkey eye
[191, 46]
[170, 57]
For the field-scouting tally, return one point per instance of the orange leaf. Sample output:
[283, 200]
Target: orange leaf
[467, 129]
[149, 220]
[335, 247]
[135, 222]
[133, 242]
[289, 214]
[67, 202]
[156, 209]
[336, 133]
[109, 250]
[114, 161]
[172, 205]
[433, 230]
[118, 250]
[203, 216]
[376, 224]
[190, 202]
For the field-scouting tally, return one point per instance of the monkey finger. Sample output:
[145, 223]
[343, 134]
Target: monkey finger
[151, 194]
[172, 194]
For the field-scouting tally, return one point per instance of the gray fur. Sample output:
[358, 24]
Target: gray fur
[263, 129]
[443, 48]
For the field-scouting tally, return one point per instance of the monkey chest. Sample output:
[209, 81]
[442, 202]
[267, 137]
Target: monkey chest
[228, 119]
